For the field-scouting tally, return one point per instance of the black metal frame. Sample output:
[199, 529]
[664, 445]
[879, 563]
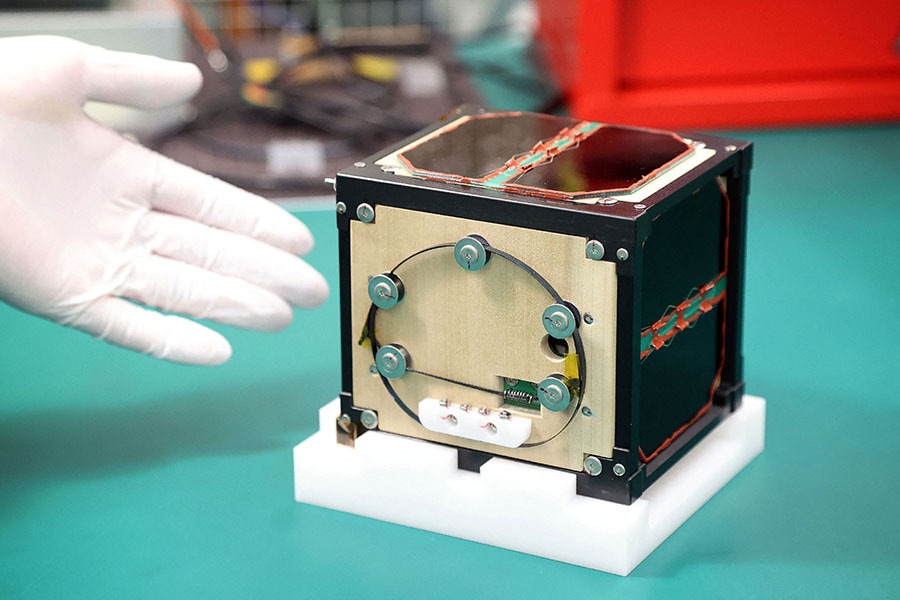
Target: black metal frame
[618, 226]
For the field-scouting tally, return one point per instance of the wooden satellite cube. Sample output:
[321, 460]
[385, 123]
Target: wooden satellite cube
[549, 290]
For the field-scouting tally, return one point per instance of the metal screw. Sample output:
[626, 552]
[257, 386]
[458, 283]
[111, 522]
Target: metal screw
[619, 469]
[594, 250]
[341, 208]
[554, 394]
[359, 165]
[640, 206]
[608, 201]
[386, 290]
[365, 212]
[471, 253]
[622, 254]
[464, 407]
[344, 422]
[586, 411]
[452, 419]
[373, 370]
[484, 411]
[559, 321]
[392, 360]
[369, 419]
[588, 318]
[730, 148]
[490, 428]
[593, 466]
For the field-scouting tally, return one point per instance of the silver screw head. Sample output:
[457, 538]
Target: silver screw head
[359, 165]
[471, 253]
[392, 361]
[340, 207]
[619, 469]
[593, 466]
[553, 393]
[622, 254]
[586, 411]
[365, 212]
[369, 419]
[588, 318]
[373, 370]
[386, 290]
[730, 148]
[594, 250]
[559, 321]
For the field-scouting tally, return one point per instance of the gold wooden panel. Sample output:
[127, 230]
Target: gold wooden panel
[478, 327]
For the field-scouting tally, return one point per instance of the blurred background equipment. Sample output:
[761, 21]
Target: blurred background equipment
[725, 64]
[297, 90]
[143, 26]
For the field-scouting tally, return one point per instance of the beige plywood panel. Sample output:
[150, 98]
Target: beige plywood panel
[479, 327]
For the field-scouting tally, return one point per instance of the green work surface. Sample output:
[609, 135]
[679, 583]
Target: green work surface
[126, 477]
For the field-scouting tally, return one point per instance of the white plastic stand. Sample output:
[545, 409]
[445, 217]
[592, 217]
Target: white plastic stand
[417, 483]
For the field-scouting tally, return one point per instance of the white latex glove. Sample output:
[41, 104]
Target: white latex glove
[91, 224]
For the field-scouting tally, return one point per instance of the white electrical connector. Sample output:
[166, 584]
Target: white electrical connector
[491, 426]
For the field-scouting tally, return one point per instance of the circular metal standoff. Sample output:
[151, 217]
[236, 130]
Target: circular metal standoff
[365, 212]
[554, 393]
[386, 290]
[392, 360]
[594, 250]
[359, 164]
[560, 320]
[369, 419]
[619, 469]
[471, 252]
[593, 466]
[622, 254]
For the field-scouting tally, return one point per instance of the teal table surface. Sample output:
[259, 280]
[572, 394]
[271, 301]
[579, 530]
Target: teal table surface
[126, 477]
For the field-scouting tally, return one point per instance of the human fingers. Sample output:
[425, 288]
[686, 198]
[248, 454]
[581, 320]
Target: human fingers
[183, 191]
[138, 80]
[162, 336]
[234, 255]
[173, 286]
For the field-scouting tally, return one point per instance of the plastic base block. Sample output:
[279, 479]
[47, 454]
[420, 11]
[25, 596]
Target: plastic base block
[417, 483]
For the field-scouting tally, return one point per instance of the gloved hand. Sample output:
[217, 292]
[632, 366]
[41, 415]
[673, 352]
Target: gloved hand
[92, 225]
